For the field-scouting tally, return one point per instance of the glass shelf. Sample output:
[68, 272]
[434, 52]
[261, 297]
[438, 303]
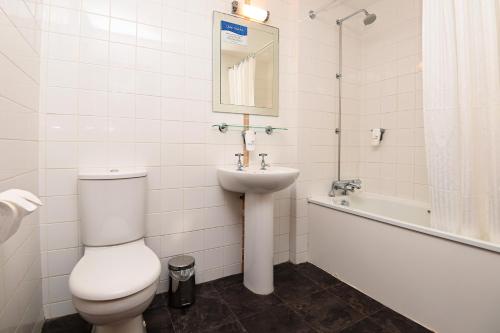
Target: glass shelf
[223, 127]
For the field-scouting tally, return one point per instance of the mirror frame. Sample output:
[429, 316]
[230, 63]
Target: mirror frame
[217, 106]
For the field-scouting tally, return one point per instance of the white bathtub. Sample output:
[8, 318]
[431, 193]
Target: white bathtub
[385, 247]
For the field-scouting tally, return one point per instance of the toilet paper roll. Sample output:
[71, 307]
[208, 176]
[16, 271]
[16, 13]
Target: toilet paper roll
[14, 206]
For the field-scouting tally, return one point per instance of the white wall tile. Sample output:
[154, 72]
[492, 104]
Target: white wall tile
[149, 36]
[62, 235]
[61, 100]
[138, 93]
[64, 20]
[93, 77]
[58, 287]
[214, 237]
[123, 31]
[194, 219]
[20, 125]
[149, 12]
[96, 6]
[171, 245]
[61, 127]
[147, 107]
[213, 258]
[122, 55]
[92, 128]
[94, 26]
[63, 47]
[62, 74]
[61, 154]
[121, 105]
[125, 9]
[61, 182]
[121, 80]
[94, 51]
[61, 262]
[93, 103]
[61, 209]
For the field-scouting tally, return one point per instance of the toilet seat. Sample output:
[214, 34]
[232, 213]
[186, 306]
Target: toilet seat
[115, 311]
[112, 272]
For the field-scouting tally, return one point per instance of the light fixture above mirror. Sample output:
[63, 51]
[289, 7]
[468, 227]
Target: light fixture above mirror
[250, 12]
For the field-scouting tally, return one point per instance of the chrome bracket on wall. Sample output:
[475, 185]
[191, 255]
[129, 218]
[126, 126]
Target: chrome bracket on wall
[269, 130]
[223, 127]
[338, 76]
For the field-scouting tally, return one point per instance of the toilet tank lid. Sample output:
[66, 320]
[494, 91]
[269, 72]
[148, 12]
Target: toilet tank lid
[112, 174]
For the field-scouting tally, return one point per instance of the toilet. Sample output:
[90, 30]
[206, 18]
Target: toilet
[118, 275]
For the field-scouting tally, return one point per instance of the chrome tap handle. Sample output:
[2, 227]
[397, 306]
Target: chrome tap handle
[263, 163]
[355, 183]
[239, 164]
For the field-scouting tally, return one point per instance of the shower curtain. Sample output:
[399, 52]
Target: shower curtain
[461, 81]
[242, 82]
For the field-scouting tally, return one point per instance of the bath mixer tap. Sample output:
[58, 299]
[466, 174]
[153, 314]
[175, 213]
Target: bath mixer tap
[345, 185]
[263, 164]
[239, 164]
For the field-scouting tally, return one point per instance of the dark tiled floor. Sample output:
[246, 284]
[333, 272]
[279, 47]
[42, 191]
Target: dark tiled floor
[306, 299]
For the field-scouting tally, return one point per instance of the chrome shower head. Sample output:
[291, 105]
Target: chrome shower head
[369, 18]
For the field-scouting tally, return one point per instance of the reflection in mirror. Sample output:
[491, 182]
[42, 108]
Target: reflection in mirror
[247, 69]
[245, 66]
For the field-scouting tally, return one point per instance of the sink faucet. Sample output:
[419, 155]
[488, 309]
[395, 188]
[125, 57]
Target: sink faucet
[239, 163]
[345, 185]
[263, 164]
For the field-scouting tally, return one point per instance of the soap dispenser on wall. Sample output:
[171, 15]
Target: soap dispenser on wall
[249, 137]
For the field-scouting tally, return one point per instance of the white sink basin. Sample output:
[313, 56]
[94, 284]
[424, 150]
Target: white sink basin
[258, 186]
[255, 180]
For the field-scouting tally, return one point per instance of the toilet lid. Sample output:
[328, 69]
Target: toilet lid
[112, 272]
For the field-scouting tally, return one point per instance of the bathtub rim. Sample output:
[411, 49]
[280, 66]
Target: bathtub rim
[485, 245]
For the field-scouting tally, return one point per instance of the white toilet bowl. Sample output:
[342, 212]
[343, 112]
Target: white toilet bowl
[113, 285]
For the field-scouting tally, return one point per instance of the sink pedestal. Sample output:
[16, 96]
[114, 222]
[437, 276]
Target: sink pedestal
[259, 237]
[258, 186]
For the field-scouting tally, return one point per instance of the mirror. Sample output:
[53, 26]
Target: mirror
[245, 68]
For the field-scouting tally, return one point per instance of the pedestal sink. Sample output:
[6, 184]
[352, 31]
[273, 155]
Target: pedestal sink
[258, 186]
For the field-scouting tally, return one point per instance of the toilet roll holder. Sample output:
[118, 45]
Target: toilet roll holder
[15, 204]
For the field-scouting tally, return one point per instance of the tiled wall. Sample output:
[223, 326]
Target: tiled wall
[381, 88]
[392, 99]
[127, 83]
[317, 102]
[20, 283]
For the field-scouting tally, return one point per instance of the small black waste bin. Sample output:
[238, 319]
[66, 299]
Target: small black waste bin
[181, 284]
